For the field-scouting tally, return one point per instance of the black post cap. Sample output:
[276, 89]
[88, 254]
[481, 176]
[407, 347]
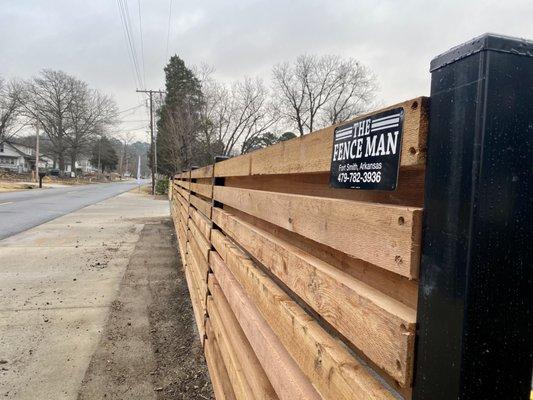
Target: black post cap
[487, 41]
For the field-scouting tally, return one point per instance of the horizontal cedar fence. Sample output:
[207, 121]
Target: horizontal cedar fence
[300, 290]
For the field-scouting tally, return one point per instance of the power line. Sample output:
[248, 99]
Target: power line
[142, 44]
[128, 19]
[130, 42]
[131, 108]
[168, 30]
[132, 64]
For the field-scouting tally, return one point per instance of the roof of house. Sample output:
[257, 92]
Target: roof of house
[13, 146]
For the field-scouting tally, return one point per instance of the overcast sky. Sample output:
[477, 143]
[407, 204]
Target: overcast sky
[397, 39]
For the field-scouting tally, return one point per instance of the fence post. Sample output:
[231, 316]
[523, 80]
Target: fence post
[474, 307]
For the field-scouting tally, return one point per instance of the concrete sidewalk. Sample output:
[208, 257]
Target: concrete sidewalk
[57, 284]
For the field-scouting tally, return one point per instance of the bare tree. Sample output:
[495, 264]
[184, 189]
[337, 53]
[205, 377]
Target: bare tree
[290, 95]
[355, 93]
[89, 113]
[10, 109]
[213, 111]
[321, 90]
[241, 113]
[47, 100]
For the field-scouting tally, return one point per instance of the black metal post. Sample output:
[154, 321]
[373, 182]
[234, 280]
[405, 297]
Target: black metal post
[475, 301]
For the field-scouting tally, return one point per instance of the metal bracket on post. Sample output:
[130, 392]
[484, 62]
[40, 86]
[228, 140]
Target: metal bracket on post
[474, 307]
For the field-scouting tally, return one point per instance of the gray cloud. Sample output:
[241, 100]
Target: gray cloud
[397, 39]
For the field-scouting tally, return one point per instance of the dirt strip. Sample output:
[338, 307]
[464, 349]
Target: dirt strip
[150, 347]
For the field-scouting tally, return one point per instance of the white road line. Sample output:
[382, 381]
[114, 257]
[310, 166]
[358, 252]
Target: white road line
[6, 203]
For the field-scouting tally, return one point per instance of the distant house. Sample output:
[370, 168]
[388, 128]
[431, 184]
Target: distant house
[20, 158]
[83, 164]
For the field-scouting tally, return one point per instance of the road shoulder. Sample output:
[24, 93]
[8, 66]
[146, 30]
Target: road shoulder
[58, 282]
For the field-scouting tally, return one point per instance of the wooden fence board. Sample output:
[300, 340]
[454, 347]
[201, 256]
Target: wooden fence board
[409, 191]
[286, 378]
[236, 166]
[381, 327]
[201, 265]
[387, 236]
[198, 314]
[199, 275]
[182, 200]
[203, 223]
[339, 375]
[184, 217]
[201, 242]
[184, 194]
[288, 158]
[183, 184]
[201, 205]
[217, 371]
[255, 375]
[235, 369]
[202, 189]
[204, 172]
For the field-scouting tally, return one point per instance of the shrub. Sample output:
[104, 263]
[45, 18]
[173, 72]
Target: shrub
[161, 186]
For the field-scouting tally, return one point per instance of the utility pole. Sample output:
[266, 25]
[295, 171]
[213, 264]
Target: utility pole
[153, 157]
[37, 154]
[99, 150]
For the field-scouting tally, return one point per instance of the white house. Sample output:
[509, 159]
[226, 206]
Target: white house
[20, 158]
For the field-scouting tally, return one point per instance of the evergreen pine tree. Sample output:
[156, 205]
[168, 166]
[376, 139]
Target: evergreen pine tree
[179, 119]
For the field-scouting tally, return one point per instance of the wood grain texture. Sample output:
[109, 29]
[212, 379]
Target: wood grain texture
[217, 371]
[235, 368]
[253, 371]
[196, 296]
[334, 372]
[312, 153]
[200, 241]
[284, 374]
[200, 268]
[183, 184]
[184, 201]
[202, 189]
[184, 218]
[409, 192]
[203, 223]
[235, 166]
[198, 314]
[387, 236]
[203, 172]
[380, 327]
[396, 286]
[201, 205]
[184, 193]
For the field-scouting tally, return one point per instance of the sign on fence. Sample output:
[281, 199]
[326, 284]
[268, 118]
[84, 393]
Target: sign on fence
[366, 153]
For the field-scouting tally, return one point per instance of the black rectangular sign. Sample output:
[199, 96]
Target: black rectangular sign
[366, 153]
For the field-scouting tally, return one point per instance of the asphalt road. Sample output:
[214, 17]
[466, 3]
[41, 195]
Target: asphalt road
[23, 210]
